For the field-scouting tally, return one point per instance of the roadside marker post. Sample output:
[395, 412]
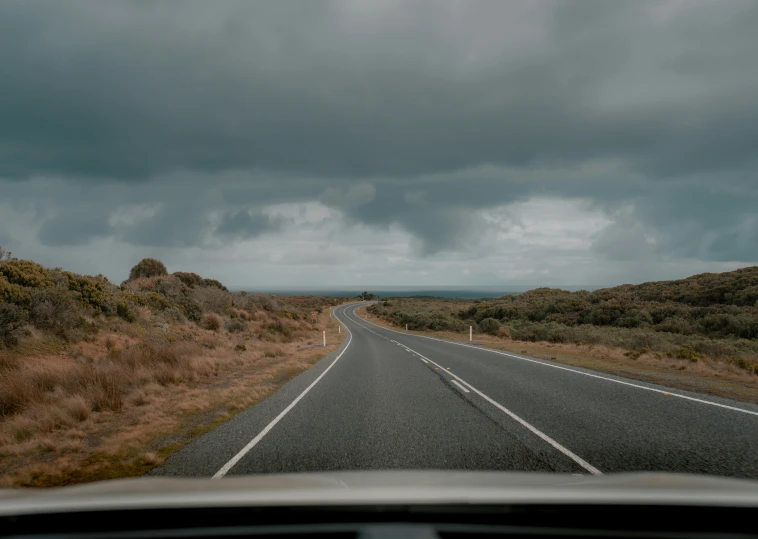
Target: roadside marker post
[406, 327]
[324, 338]
[471, 333]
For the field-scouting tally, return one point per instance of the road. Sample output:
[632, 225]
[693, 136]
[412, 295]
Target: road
[389, 400]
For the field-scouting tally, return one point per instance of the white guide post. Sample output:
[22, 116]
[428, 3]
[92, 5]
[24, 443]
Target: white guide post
[324, 338]
[471, 333]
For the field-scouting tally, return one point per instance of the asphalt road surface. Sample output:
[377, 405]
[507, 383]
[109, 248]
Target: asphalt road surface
[389, 400]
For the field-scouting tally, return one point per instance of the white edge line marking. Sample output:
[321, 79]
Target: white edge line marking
[534, 430]
[667, 393]
[252, 443]
[460, 385]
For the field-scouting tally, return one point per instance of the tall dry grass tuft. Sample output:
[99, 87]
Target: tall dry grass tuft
[58, 395]
[211, 321]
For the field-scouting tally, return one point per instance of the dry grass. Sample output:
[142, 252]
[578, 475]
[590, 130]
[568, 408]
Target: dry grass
[211, 321]
[703, 375]
[117, 406]
[239, 313]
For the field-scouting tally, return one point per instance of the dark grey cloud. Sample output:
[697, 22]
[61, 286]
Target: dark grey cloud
[413, 114]
[74, 228]
[243, 224]
[136, 89]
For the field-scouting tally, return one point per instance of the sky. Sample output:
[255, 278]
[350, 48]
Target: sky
[384, 142]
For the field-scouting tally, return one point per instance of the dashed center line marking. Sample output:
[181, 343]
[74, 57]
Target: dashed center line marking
[570, 454]
[456, 382]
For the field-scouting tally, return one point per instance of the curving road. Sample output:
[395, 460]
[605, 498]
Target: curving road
[389, 400]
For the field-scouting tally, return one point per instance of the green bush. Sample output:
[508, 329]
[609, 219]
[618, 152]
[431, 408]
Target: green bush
[90, 291]
[55, 309]
[677, 325]
[214, 283]
[26, 273]
[13, 293]
[489, 325]
[212, 299]
[147, 267]
[685, 352]
[125, 311]
[157, 302]
[11, 319]
[174, 314]
[188, 278]
[191, 308]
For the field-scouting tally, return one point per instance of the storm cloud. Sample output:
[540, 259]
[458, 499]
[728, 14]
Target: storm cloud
[170, 127]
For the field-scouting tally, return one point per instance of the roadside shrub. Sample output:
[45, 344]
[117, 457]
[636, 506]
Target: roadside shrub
[191, 308]
[635, 318]
[261, 302]
[11, 319]
[503, 333]
[215, 284]
[25, 273]
[168, 286]
[158, 302]
[239, 313]
[135, 299]
[188, 278]
[685, 352]
[739, 325]
[235, 325]
[125, 311]
[676, 325]
[55, 309]
[211, 321]
[273, 351]
[13, 293]
[489, 325]
[147, 267]
[175, 315]
[212, 299]
[90, 291]
[278, 326]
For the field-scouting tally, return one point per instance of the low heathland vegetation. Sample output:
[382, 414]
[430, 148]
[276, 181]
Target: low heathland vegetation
[99, 380]
[706, 323]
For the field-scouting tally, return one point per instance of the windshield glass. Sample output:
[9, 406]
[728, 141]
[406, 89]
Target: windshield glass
[268, 237]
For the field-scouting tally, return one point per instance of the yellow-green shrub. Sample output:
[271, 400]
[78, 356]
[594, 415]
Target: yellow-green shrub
[26, 273]
[13, 293]
[89, 290]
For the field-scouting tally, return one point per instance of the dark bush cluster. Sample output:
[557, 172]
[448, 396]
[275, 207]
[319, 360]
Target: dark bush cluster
[235, 325]
[11, 319]
[148, 267]
[489, 325]
[25, 273]
[215, 284]
[188, 278]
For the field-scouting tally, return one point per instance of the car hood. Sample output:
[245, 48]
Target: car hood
[385, 488]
